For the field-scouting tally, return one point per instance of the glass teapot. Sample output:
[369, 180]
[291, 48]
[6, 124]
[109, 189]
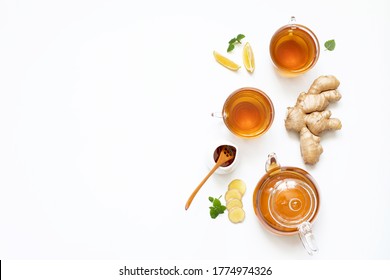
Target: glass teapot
[286, 201]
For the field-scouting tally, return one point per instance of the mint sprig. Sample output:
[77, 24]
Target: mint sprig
[217, 207]
[234, 41]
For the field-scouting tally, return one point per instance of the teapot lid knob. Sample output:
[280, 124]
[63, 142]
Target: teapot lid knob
[272, 163]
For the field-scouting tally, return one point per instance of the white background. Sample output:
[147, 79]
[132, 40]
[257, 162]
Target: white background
[105, 127]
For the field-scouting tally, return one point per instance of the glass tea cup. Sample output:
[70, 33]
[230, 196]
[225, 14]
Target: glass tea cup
[294, 49]
[286, 201]
[247, 112]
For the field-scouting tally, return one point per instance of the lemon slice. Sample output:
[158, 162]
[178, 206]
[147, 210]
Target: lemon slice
[248, 58]
[224, 61]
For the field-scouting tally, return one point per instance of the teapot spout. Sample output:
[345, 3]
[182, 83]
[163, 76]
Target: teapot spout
[272, 163]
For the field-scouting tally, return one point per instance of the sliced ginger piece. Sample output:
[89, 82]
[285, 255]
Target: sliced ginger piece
[239, 185]
[234, 202]
[230, 194]
[236, 215]
[226, 62]
[248, 58]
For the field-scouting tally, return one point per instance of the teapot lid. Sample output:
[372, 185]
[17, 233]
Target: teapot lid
[292, 202]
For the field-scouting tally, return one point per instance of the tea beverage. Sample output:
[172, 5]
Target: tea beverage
[294, 49]
[248, 112]
[287, 200]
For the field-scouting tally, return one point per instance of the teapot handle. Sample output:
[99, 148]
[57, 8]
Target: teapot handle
[307, 237]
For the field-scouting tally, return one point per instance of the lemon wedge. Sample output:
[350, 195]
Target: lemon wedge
[224, 61]
[248, 58]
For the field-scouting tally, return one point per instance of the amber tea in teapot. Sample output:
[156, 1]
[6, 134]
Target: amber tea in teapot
[286, 201]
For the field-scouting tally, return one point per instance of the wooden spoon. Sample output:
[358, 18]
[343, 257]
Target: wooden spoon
[225, 155]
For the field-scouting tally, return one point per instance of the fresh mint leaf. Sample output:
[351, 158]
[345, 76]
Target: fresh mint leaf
[234, 41]
[330, 45]
[240, 37]
[230, 48]
[220, 209]
[216, 203]
[213, 213]
[217, 207]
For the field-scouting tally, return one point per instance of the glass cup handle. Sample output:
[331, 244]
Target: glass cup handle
[307, 237]
[217, 115]
[292, 20]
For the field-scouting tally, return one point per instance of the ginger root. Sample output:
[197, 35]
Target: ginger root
[323, 83]
[311, 148]
[309, 118]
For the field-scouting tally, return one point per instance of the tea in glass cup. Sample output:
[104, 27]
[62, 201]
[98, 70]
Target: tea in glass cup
[248, 112]
[294, 49]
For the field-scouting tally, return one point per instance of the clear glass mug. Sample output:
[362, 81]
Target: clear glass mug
[294, 49]
[286, 201]
[248, 112]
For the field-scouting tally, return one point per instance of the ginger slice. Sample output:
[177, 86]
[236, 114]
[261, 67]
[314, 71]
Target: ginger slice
[234, 202]
[238, 184]
[234, 193]
[236, 215]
